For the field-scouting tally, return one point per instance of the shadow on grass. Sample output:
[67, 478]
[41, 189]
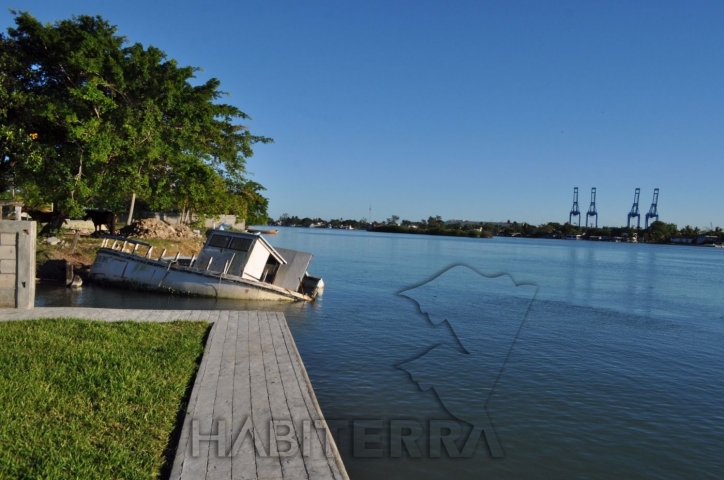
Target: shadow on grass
[169, 453]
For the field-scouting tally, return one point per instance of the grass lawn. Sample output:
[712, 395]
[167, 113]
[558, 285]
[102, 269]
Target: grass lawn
[84, 399]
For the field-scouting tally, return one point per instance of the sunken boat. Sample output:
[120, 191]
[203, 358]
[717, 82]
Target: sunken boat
[235, 265]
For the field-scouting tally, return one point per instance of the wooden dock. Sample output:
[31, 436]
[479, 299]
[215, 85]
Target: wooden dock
[252, 412]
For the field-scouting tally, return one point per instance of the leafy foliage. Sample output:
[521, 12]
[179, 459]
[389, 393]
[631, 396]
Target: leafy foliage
[660, 232]
[109, 119]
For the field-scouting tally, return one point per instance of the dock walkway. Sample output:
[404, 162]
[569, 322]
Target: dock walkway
[252, 413]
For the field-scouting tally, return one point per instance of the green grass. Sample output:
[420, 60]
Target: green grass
[84, 399]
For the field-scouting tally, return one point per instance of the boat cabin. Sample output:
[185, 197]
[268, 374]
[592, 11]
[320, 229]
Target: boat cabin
[250, 256]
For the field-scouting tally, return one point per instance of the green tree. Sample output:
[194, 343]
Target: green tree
[687, 230]
[435, 222]
[660, 232]
[112, 119]
[16, 142]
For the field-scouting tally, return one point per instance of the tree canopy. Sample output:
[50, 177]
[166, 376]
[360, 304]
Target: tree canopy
[87, 119]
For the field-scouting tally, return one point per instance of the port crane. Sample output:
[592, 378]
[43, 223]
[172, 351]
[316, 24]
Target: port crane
[654, 210]
[574, 209]
[592, 209]
[635, 211]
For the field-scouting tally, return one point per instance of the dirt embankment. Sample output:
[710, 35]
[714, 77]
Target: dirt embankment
[152, 228]
[51, 259]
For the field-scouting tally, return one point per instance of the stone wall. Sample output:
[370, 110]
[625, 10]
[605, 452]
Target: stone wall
[17, 264]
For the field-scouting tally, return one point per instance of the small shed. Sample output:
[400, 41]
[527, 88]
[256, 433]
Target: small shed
[250, 256]
[243, 254]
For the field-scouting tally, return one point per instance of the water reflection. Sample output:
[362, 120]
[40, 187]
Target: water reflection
[97, 296]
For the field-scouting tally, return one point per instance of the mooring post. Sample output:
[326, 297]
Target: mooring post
[68, 273]
[75, 241]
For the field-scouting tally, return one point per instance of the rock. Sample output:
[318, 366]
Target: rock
[52, 240]
[152, 228]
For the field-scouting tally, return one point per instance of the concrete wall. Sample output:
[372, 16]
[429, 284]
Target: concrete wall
[17, 264]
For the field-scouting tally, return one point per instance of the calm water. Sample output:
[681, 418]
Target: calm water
[616, 367]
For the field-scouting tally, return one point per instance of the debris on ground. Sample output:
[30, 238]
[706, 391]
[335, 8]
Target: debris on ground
[152, 228]
[52, 240]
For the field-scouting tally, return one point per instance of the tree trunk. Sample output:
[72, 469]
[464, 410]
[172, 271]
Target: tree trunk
[130, 213]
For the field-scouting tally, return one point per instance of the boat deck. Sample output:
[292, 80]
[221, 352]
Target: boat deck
[251, 375]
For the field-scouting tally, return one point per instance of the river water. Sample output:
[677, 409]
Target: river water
[576, 359]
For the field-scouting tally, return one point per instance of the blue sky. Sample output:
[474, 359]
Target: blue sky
[473, 110]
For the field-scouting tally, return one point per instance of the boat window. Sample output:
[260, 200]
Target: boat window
[219, 241]
[270, 270]
[242, 244]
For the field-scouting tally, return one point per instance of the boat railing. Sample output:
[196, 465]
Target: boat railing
[131, 246]
[120, 243]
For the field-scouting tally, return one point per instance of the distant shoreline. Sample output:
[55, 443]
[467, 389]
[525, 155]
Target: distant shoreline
[593, 238]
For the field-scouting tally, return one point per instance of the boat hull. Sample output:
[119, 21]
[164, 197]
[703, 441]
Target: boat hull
[131, 271]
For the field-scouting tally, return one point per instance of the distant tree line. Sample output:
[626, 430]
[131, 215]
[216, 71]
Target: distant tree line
[294, 221]
[433, 226]
[658, 232]
[88, 119]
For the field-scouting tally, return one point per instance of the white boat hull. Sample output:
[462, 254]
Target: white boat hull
[126, 269]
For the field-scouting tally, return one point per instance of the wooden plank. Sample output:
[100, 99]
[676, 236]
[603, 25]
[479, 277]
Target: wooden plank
[219, 466]
[184, 446]
[9, 314]
[144, 315]
[243, 463]
[276, 359]
[267, 467]
[211, 315]
[112, 314]
[56, 312]
[315, 460]
[195, 466]
[117, 315]
[126, 315]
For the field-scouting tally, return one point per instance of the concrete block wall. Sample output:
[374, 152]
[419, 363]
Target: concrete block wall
[17, 263]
